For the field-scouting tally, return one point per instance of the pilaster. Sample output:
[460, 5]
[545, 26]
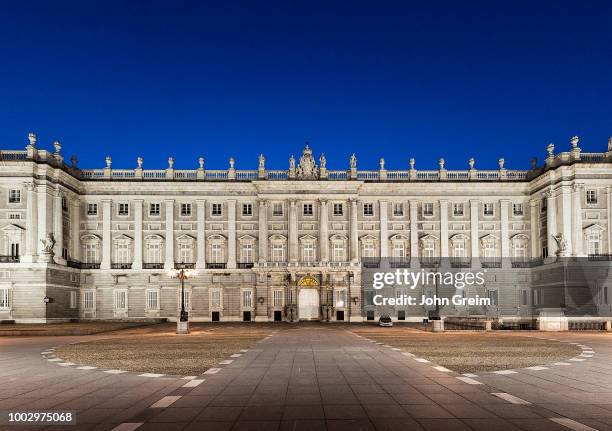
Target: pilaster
[137, 262]
[263, 230]
[75, 252]
[577, 220]
[474, 234]
[31, 245]
[534, 225]
[384, 229]
[354, 232]
[551, 223]
[106, 234]
[443, 228]
[566, 216]
[169, 262]
[293, 232]
[323, 231]
[231, 234]
[504, 205]
[201, 234]
[414, 234]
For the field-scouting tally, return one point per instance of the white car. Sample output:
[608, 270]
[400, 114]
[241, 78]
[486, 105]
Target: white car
[385, 321]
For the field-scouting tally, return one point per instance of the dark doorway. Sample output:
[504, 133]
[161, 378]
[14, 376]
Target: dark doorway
[246, 316]
[401, 314]
[370, 315]
[339, 315]
[215, 316]
[278, 316]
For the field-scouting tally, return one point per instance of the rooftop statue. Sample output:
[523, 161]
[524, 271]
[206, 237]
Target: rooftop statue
[307, 168]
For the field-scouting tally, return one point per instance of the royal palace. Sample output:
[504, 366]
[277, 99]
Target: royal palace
[290, 244]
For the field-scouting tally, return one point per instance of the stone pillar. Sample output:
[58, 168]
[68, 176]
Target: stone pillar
[609, 195]
[106, 234]
[137, 262]
[75, 253]
[44, 218]
[414, 235]
[577, 220]
[443, 228]
[201, 234]
[231, 234]
[534, 224]
[551, 223]
[58, 227]
[293, 232]
[475, 246]
[384, 229]
[169, 263]
[504, 205]
[354, 232]
[31, 245]
[323, 232]
[263, 230]
[566, 217]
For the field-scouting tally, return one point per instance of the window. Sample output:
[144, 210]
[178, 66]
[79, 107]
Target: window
[308, 254]
[398, 209]
[14, 249]
[428, 209]
[152, 300]
[368, 209]
[459, 248]
[524, 297]
[64, 252]
[215, 298]
[154, 252]
[487, 209]
[120, 300]
[185, 210]
[517, 209]
[368, 250]
[591, 196]
[92, 209]
[64, 203]
[91, 252]
[73, 299]
[246, 253]
[277, 298]
[458, 210]
[124, 209]
[536, 297]
[154, 210]
[544, 252]
[4, 299]
[185, 252]
[492, 295]
[247, 209]
[247, 298]
[14, 196]
[278, 253]
[187, 299]
[520, 250]
[277, 209]
[216, 253]
[399, 250]
[338, 209]
[488, 249]
[340, 298]
[217, 209]
[593, 243]
[122, 252]
[338, 254]
[429, 248]
[307, 208]
[89, 301]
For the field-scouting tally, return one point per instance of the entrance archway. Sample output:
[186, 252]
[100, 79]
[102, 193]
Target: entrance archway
[308, 304]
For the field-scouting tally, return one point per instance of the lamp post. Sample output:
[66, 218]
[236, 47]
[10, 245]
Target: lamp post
[182, 325]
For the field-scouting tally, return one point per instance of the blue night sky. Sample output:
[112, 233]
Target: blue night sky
[399, 80]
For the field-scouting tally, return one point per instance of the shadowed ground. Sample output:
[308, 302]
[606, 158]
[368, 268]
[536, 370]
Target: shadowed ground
[470, 352]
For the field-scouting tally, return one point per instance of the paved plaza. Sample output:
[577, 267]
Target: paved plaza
[314, 377]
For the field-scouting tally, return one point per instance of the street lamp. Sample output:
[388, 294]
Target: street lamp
[182, 325]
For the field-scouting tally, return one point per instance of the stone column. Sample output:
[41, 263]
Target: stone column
[231, 234]
[609, 195]
[323, 232]
[443, 228]
[137, 262]
[577, 220]
[384, 228]
[31, 245]
[263, 230]
[58, 227]
[551, 223]
[414, 234]
[475, 246]
[106, 234]
[169, 262]
[293, 232]
[75, 253]
[504, 205]
[201, 234]
[566, 217]
[534, 224]
[44, 217]
[354, 232]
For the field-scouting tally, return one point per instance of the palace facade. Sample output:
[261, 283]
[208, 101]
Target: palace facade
[282, 245]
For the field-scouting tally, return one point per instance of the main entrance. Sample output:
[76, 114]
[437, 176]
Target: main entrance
[308, 304]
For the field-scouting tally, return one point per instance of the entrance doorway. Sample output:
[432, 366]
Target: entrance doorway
[278, 315]
[308, 304]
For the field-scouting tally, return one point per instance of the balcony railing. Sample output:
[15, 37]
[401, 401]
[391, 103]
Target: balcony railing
[491, 263]
[370, 262]
[73, 264]
[152, 266]
[399, 262]
[211, 265]
[429, 262]
[9, 259]
[245, 265]
[460, 262]
[121, 266]
[600, 257]
[90, 265]
[184, 265]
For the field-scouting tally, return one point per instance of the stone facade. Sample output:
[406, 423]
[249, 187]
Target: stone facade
[269, 245]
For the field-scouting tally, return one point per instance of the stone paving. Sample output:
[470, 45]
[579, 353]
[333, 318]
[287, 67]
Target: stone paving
[314, 377]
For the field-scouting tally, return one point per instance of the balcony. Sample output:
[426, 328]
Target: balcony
[245, 265]
[184, 265]
[89, 265]
[370, 262]
[600, 257]
[121, 266]
[430, 262]
[9, 259]
[74, 264]
[152, 266]
[491, 263]
[460, 262]
[211, 265]
[399, 262]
